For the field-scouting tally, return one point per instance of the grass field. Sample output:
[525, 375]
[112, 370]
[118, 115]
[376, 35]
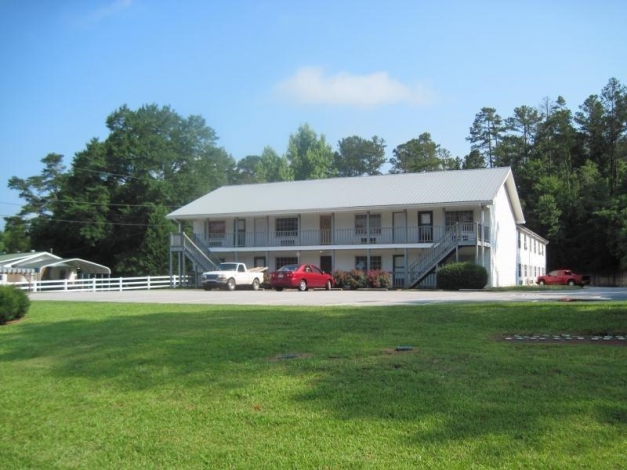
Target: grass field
[174, 386]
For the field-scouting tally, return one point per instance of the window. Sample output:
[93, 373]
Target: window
[217, 229]
[284, 260]
[519, 237]
[375, 224]
[287, 227]
[375, 262]
[525, 270]
[458, 217]
[525, 240]
[519, 270]
[361, 224]
[362, 261]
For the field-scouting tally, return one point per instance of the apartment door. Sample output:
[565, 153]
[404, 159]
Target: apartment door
[326, 263]
[261, 231]
[240, 234]
[325, 230]
[399, 222]
[425, 226]
[398, 270]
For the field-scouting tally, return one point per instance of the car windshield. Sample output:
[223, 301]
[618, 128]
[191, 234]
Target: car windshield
[227, 267]
[289, 267]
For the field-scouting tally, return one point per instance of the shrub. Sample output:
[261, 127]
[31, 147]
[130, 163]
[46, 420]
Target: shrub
[14, 303]
[466, 275]
[357, 278]
[379, 279]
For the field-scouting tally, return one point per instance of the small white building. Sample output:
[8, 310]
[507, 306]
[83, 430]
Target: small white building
[407, 224]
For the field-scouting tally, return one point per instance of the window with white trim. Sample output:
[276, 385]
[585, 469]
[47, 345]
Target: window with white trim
[281, 261]
[286, 226]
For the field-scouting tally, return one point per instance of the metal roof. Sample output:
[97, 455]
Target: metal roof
[341, 194]
[40, 260]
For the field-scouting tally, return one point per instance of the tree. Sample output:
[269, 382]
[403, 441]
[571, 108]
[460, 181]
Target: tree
[15, 236]
[517, 145]
[603, 123]
[106, 207]
[249, 170]
[273, 167]
[310, 157]
[485, 134]
[357, 156]
[417, 155]
[473, 160]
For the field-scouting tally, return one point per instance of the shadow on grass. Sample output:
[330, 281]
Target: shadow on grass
[455, 384]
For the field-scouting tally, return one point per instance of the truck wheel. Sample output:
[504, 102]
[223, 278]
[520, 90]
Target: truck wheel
[302, 285]
[278, 289]
[327, 286]
[571, 283]
[255, 284]
[230, 284]
[541, 283]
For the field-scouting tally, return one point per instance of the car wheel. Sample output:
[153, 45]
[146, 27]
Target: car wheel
[541, 283]
[327, 286]
[302, 285]
[278, 289]
[571, 283]
[230, 284]
[255, 284]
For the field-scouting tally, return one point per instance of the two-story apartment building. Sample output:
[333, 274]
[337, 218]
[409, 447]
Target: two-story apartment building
[407, 224]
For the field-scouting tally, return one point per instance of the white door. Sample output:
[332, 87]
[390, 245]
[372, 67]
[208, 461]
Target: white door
[261, 231]
[399, 221]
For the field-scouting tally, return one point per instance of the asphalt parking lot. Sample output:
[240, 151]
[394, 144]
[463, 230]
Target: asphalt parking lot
[333, 297]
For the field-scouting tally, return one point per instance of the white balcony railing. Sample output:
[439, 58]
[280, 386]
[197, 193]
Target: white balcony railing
[468, 233]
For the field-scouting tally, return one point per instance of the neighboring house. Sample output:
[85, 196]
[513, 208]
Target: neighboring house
[407, 224]
[44, 266]
[531, 256]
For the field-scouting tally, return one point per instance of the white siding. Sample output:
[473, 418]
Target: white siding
[504, 244]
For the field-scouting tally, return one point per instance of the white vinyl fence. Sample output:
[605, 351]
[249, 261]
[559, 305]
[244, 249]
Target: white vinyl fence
[104, 284]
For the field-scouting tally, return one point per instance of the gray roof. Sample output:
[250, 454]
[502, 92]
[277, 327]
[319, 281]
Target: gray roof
[341, 194]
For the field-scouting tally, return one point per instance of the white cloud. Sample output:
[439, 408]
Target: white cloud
[310, 86]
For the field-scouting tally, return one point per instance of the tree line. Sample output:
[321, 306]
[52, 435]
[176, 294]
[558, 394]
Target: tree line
[109, 206]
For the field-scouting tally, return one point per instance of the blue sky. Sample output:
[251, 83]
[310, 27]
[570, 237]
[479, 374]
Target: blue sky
[257, 70]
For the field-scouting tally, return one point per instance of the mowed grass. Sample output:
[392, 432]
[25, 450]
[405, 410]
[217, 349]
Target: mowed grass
[85, 385]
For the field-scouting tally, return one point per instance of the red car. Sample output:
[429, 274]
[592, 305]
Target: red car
[301, 277]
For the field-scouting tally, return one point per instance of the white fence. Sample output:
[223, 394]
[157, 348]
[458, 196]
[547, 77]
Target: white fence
[104, 284]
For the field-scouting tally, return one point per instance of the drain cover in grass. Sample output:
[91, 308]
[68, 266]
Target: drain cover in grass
[404, 348]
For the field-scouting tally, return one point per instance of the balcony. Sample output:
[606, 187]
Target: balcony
[467, 234]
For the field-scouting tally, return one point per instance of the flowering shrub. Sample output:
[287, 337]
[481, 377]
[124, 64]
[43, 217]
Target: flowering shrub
[357, 278]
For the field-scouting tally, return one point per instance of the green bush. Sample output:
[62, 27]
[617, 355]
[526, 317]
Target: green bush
[357, 279]
[466, 275]
[14, 303]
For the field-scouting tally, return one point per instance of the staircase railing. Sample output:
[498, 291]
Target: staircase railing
[181, 242]
[432, 256]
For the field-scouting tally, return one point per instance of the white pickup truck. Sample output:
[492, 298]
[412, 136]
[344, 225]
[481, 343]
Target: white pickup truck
[232, 275]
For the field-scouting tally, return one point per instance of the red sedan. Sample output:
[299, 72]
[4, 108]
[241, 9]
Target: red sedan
[301, 277]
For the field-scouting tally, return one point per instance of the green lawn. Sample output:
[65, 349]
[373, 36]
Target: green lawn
[177, 386]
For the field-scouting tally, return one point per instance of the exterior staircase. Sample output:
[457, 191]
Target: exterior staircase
[429, 260]
[180, 242]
